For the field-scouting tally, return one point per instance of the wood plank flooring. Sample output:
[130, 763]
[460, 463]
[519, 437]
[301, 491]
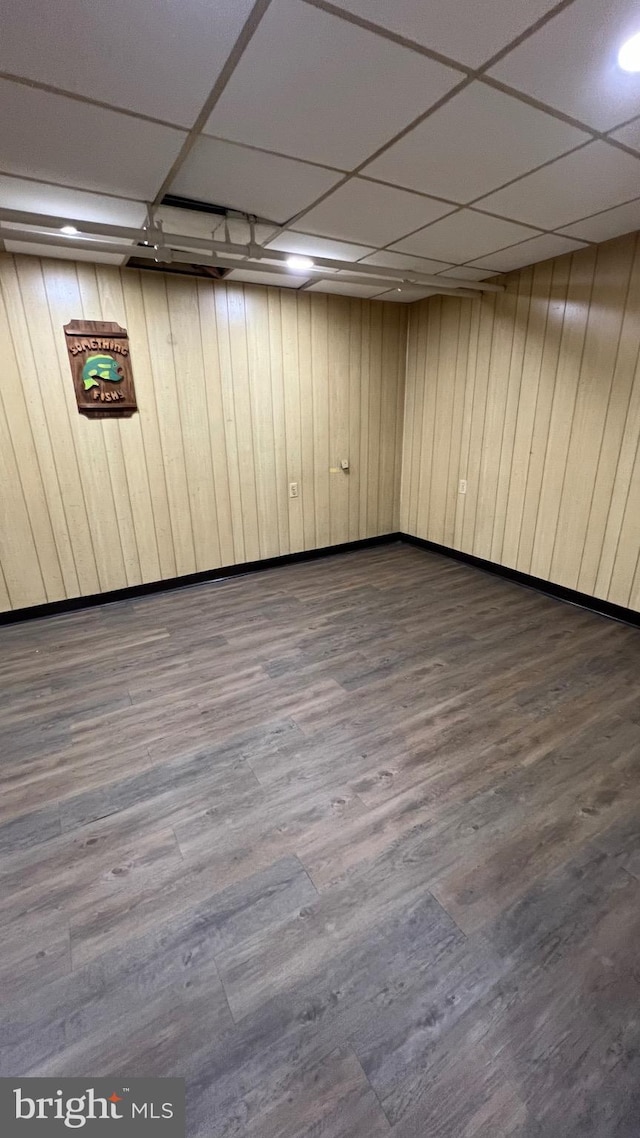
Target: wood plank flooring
[352, 845]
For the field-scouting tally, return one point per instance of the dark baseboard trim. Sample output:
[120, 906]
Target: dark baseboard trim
[570, 596]
[71, 604]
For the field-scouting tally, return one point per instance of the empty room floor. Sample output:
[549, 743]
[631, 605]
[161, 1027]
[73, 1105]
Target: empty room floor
[353, 845]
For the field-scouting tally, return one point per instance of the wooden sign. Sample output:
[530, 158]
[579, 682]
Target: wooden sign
[101, 368]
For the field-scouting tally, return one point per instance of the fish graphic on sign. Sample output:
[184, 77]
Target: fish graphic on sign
[99, 367]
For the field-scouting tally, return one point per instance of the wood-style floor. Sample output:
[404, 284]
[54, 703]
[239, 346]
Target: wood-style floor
[353, 845]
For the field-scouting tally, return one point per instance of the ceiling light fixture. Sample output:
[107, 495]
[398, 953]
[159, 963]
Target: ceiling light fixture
[297, 262]
[69, 230]
[629, 54]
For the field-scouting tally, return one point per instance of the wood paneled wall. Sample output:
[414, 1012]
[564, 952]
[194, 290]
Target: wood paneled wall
[241, 390]
[533, 396]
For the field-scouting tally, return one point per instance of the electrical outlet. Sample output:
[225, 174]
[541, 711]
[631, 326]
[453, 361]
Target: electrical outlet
[293, 489]
[462, 488]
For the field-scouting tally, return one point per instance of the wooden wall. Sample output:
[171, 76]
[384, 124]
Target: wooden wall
[533, 396]
[241, 390]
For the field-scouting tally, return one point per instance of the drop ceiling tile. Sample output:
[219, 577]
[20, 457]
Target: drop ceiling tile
[64, 254]
[312, 86]
[404, 261]
[309, 245]
[629, 134]
[529, 252]
[201, 224]
[463, 236]
[610, 223]
[406, 295]
[571, 63]
[453, 27]
[38, 197]
[191, 222]
[63, 140]
[345, 288]
[473, 144]
[282, 280]
[591, 179]
[466, 273]
[159, 59]
[371, 213]
[225, 174]
[240, 231]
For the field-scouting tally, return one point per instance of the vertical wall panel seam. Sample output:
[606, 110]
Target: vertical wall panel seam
[35, 451]
[157, 422]
[606, 418]
[484, 419]
[533, 419]
[566, 457]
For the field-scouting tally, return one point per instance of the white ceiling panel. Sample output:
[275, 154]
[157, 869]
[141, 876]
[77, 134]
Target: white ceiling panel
[571, 63]
[313, 86]
[240, 230]
[591, 179]
[466, 273]
[344, 288]
[160, 59]
[406, 295]
[225, 174]
[611, 223]
[63, 140]
[473, 144]
[371, 213]
[197, 223]
[64, 253]
[453, 27]
[462, 236]
[529, 252]
[313, 95]
[18, 193]
[309, 245]
[251, 276]
[629, 134]
[404, 261]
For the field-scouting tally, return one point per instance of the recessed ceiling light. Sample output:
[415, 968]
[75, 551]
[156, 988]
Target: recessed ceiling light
[629, 54]
[299, 262]
[69, 230]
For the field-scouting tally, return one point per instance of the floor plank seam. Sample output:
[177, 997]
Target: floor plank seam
[350, 1046]
[451, 917]
[224, 993]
